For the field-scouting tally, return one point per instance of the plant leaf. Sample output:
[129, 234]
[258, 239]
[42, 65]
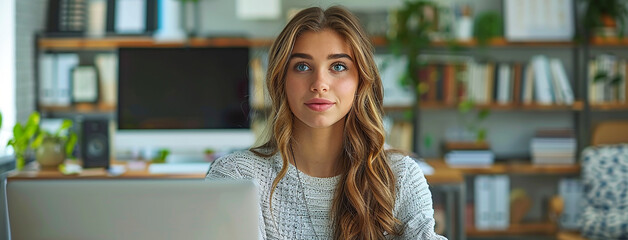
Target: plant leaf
[37, 142]
[600, 76]
[427, 141]
[483, 114]
[18, 131]
[481, 135]
[465, 106]
[0, 120]
[66, 124]
[616, 79]
[69, 146]
[33, 119]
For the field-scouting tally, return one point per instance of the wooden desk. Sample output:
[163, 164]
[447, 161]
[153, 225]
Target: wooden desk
[98, 173]
[442, 174]
[448, 180]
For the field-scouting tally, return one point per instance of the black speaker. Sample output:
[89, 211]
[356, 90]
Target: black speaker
[95, 143]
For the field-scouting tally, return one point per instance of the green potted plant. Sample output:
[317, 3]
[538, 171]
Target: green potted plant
[50, 149]
[487, 25]
[605, 17]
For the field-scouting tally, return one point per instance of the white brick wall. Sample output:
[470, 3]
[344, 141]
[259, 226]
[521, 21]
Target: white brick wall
[30, 19]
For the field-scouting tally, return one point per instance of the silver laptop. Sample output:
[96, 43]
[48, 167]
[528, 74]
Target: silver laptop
[132, 209]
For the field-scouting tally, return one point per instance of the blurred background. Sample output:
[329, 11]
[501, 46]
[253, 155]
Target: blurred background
[505, 93]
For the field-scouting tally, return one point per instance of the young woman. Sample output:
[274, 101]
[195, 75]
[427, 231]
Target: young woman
[322, 171]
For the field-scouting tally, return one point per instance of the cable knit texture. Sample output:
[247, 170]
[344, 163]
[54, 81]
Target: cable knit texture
[289, 218]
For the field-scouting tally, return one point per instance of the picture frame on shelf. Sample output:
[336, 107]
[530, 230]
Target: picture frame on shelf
[538, 21]
[84, 86]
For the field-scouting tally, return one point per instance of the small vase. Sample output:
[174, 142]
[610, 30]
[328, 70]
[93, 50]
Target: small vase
[51, 153]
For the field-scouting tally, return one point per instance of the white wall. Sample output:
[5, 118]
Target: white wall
[7, 71]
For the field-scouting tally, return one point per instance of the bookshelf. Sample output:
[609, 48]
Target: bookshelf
[576, 106]
[578, 111]
[513, 166]
[540, 228]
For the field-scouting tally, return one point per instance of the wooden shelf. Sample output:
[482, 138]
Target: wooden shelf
[512, 167]
[112, 43]
[609, 106]
[542, 228]
[576, 106]
[398, 108]
[496, 42]
[81, 108]
[609, 42]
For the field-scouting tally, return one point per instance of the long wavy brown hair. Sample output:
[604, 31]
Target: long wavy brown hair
[364, 199]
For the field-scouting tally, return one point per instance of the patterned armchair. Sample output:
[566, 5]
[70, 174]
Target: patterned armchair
[605, 181]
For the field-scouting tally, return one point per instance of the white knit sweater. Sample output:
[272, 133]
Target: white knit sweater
[413, 203]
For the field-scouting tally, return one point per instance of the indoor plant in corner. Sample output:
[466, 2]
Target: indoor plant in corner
[50, 149]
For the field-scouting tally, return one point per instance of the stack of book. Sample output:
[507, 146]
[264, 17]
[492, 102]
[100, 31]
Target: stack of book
[553, 146]
[468, 154]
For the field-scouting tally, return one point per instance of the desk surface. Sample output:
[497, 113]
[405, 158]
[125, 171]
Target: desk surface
[442, 174]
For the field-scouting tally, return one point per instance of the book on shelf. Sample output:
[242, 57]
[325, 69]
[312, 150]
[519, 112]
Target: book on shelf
[107, 65]
[260, 97]
[607, 79]
[492, 202]
[571, 191]
[542, 80]
[54, 77]
[553, 146]
[468, 154]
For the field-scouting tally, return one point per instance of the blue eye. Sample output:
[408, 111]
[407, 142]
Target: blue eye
[302, 67]
[338, 67]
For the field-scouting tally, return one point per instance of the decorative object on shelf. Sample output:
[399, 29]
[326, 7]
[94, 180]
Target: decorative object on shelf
[51, 149]
[487, 25]
[536, 21]
[96, 18]
[464, 24]
[131, 17]
[95, 138]
[605, 18]
[162, 155]
[258, 9]
[66, 17]
[520, 204]
[169, 21]
[85, 84]
[191, 17]
[210, 155]
[30, 137]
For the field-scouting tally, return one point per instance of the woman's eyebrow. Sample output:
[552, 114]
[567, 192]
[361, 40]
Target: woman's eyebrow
[301, 55]
[339, 55]
[330, 56]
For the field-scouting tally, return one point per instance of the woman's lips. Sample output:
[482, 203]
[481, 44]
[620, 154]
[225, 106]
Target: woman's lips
[319, 107]
[319, 104]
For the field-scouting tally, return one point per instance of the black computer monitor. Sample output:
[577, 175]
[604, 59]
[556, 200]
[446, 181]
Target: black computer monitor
[183, 88]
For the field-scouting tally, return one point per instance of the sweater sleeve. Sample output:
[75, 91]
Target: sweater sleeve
[415, 209]
[224, 168]
[227, 168]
